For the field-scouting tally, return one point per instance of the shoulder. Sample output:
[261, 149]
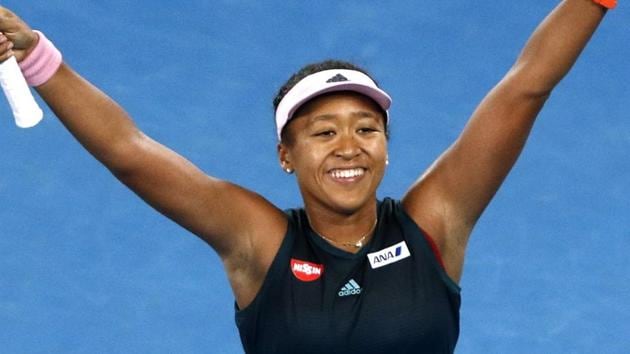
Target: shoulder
[446, 237]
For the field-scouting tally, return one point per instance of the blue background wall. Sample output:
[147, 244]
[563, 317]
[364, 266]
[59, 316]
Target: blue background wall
[86, 267]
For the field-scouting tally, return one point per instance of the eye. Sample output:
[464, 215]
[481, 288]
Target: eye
[325, 133]
[367, 130]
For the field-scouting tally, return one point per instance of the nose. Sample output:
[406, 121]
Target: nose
[347, 147]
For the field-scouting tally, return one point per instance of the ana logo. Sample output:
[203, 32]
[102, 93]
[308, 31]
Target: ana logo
[389, 255]
[306, 271]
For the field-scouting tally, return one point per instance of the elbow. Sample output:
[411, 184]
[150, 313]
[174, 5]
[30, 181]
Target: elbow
[530, 83]
[124, 156]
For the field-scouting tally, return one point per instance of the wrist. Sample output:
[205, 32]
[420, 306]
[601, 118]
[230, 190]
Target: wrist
[41, 62]
[31, 47]
[609, 4]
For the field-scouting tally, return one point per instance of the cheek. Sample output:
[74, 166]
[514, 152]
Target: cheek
[380, 156]
[378, 149]
[306, 158]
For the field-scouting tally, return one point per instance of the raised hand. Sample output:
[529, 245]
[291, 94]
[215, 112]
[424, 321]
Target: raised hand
[16, 38]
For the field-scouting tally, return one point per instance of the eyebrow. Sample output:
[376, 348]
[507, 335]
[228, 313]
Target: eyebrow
[360, 114]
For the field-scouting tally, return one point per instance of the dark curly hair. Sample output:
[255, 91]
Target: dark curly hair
[308, 70]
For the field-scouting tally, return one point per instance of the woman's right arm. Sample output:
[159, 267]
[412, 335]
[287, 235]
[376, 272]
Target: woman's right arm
[231, 219]
[221, 213]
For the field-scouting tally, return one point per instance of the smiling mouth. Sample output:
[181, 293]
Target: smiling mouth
[347, 173]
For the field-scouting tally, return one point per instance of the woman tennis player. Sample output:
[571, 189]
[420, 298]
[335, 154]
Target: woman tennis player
[347, 273]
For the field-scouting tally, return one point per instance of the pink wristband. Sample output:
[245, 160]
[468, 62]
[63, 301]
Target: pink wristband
[42, 63]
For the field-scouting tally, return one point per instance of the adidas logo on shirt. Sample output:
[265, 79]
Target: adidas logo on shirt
[351, 288]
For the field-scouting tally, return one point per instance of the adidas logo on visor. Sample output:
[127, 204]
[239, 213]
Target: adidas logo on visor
[337, 78]
[351, 288]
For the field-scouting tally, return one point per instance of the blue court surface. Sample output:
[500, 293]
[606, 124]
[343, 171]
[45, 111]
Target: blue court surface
[87, 267]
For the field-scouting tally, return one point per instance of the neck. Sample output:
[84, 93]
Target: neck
[342, 229]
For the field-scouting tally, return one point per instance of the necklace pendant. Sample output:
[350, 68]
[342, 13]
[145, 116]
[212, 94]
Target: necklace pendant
[358, 244]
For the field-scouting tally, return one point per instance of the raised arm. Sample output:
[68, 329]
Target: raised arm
[450, 196]
[239, 224]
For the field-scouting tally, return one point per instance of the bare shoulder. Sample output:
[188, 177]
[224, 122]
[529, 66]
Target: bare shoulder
[428, 208]
[250, 223]
[252, 245]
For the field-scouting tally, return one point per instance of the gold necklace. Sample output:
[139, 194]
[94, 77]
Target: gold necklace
[358, 244]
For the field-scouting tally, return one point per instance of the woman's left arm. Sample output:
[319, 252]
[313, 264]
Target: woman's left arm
[450, 196]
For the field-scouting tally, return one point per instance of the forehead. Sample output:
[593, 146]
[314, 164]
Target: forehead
[339, 103]
[330, 104]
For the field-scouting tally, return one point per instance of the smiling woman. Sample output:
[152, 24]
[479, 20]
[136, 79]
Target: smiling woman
[332, 128]
[347, 273]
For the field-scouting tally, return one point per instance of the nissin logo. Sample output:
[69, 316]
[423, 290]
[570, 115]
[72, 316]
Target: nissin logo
[306, 271]
[389, 255]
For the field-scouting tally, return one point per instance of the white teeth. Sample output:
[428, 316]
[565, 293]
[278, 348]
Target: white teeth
[350, 173]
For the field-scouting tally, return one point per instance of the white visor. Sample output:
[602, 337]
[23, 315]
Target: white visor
[328, 81]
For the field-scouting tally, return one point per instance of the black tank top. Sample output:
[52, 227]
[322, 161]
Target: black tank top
[392, 296]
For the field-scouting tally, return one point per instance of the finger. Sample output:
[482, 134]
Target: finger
[5, 43]
[6, 54]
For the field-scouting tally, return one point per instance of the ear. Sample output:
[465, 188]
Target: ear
[284, 157]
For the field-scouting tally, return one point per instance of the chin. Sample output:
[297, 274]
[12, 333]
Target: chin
[350, 204]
